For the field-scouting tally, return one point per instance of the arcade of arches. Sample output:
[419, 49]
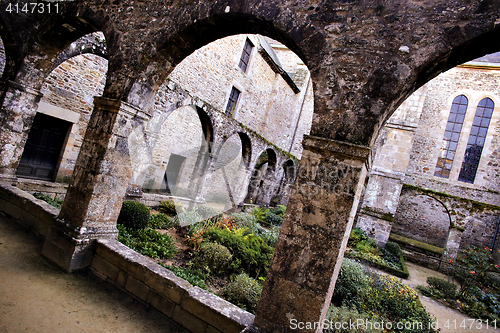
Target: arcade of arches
[364, 59]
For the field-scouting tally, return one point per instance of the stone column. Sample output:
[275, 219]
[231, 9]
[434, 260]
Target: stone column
[100, 178]
[384, 186]
[314, 235]
[452, 248]
[18, 110]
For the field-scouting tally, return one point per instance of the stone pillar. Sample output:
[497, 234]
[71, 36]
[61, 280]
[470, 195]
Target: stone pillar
[18, 110]
[100, 178]
[452, 248]
[384, 186]
[314, 235]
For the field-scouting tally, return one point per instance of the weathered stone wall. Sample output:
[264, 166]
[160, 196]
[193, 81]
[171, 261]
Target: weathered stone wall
[267, 104]
[422, 218]
[71, 88]
[475, 83]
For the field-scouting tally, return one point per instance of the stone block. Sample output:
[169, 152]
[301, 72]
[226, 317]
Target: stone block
[121, 279]
[12, 210]
[161, 303]
[189, 321]
[105, 267]
[137, 288]
[217, 312]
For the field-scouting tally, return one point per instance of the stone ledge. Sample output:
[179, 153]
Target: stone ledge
[192, 307]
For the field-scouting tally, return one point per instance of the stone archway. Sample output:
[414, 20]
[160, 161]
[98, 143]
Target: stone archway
[422, 218]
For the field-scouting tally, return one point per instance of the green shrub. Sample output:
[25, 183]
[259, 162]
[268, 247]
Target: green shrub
[160, 221]
[212, 258]
[368, 246]
[189, 218]
[271, 236]
[260, 214]
[53, 202]
[134, 215]
[273, 219]
[244, 292]
[449, 289]
[279, 210]
[356, 236]
[147, 242]
[391, 253]
[345, 314]
[170, 208]
[249, 251]
[194, 277]
[351, 283]
[208, 212]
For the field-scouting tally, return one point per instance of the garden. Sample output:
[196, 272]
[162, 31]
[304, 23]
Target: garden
[229, 255]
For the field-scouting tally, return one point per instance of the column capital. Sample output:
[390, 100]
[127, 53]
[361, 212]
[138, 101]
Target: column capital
[334, 147]
[18, 86]
[117, 106]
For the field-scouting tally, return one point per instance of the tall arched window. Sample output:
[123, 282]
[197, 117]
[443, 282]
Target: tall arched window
[451, 136]
[476, 140]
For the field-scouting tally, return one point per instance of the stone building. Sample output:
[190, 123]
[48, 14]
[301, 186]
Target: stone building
[434, 185]
[270, 112]
[365, 59]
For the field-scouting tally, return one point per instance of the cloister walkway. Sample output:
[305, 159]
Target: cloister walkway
[36, 296]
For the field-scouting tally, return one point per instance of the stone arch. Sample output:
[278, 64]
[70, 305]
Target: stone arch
[93, 43]
[286, 183]
[175, 155]
[229, 176]
[422, 217]
[259, 188]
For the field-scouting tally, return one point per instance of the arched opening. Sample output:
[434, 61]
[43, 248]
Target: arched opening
[180, 146]
[63, 113]
[422, 218]
[260, 186]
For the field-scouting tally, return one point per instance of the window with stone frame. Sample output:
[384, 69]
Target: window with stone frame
[451, 136]
[233, 101]
[245, 55]
[476, 140]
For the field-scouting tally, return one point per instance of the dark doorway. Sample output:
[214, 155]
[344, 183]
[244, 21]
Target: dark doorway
[43, 148]
[172, 172]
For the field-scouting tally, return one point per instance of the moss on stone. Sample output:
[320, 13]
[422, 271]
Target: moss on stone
[417, 244]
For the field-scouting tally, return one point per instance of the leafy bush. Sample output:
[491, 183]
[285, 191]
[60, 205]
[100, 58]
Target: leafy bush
[249, 251]
[188, 218]
[243, 292]
[260, 214]
[170, 208]
[271, 236]
[53, 202]
[208, 212]
[212, 258]
[448, 289]
[471, 267]
[147, 242]
[160, 221]
[194, 277]
[273, 219]
[351, 283]
[279, 210]
[356, 236]
[391, 253]
[134, 215]
[345, 314]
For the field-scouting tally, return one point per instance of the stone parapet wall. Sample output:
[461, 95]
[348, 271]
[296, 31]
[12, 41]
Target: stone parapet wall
[36, 215]
[196, 309]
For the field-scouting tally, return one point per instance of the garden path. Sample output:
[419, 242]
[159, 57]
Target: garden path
[449, 320]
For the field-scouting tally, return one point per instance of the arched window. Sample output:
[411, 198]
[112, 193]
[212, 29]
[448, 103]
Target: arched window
[451, 136]
[476, 140]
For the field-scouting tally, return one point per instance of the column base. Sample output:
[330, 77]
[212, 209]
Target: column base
[72, 249]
